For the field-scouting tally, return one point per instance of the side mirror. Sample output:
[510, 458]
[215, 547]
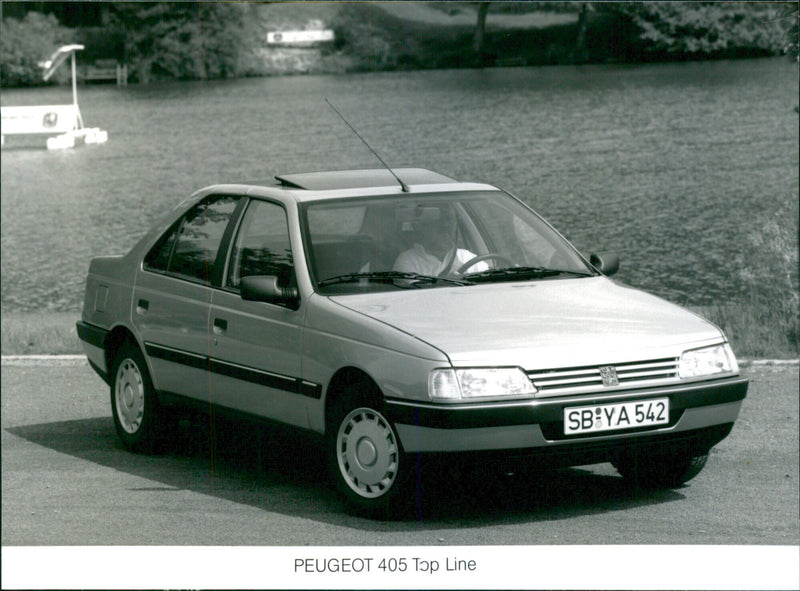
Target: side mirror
[605, 262]
[265, 288]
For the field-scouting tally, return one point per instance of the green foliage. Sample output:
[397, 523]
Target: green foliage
[202, 40]
[709, 29]
[373, 40]
[788, 18]
[768, 266]
[25, 43]
[50, 333]
[184, 40]
[764, 319]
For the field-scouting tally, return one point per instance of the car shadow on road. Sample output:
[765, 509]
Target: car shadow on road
[282, 470]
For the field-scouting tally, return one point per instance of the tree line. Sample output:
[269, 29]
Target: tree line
[204, 40]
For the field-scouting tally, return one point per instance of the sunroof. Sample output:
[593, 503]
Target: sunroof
[354, 179]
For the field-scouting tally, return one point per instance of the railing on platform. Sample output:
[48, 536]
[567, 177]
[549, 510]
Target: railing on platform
[103, 70]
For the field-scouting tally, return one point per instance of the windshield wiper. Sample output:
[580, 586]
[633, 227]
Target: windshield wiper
[520, 273]
[414, 279]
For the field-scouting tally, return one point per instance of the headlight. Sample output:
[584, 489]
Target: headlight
[461, 384]
[707, 361]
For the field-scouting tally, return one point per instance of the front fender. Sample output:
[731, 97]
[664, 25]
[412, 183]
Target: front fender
[336, 337]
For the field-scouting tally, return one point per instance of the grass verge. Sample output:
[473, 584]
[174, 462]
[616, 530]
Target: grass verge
[45, 333]
[756, 332]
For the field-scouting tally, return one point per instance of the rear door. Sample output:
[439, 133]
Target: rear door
[256, 349]
[173, 293]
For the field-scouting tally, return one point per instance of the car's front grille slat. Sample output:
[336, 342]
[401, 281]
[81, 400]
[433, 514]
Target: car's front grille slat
[640, 375]
[551, 383]
[590, 378]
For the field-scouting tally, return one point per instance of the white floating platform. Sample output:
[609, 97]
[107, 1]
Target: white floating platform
[91, 135]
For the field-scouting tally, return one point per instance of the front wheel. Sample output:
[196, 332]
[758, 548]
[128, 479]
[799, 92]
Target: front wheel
[365, 459]
[660, 470]
[133, 401]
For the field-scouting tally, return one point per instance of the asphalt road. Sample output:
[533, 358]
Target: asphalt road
[67, 481]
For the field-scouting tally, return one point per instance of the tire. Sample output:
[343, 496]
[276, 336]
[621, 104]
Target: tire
[134, 405]
[660, 471]
[365, 460]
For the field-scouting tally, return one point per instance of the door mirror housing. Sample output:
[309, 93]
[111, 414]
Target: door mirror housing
[265, 288]
[605, 262]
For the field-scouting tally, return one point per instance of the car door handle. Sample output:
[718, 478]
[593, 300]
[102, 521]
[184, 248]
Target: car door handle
[220, 326]
[142, 306]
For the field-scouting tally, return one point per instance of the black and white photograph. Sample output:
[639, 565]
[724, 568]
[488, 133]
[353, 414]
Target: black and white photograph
[396, 294]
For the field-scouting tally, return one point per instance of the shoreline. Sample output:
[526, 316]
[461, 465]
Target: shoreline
[390, 36]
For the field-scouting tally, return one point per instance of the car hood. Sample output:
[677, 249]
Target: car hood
[539, 324]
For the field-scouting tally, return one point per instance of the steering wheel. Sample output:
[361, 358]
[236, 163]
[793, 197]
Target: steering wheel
[484, 257]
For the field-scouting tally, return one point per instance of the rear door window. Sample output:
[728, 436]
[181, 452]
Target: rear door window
[189, 249]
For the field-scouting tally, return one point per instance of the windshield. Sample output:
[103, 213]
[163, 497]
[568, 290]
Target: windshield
[435, 240]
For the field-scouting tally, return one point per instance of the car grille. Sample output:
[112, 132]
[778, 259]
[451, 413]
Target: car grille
[556, 382]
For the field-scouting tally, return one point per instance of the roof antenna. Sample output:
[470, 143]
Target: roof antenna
[403, 186]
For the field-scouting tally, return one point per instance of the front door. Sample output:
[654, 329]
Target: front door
[256, 347]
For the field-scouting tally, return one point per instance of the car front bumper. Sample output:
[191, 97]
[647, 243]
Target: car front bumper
[699, 413]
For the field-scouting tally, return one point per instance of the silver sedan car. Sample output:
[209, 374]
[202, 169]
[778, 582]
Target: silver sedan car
[397, 313]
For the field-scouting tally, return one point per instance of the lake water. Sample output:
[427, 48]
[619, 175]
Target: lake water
[674, 166]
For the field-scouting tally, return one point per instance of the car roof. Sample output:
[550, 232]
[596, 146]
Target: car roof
[339, 184]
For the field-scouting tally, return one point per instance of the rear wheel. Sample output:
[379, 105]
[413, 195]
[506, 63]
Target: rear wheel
[365, 459]
[134, 405]
[660, 470]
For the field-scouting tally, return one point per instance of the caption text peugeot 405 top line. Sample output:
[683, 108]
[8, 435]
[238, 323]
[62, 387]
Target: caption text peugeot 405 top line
[397, 319]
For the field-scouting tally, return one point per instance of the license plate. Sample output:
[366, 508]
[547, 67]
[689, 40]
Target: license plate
[621, 415]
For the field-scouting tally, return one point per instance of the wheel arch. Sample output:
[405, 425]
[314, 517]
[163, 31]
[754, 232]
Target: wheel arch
[114, 341]
[342, 380]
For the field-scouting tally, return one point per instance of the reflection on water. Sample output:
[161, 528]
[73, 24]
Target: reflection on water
[670, 165]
